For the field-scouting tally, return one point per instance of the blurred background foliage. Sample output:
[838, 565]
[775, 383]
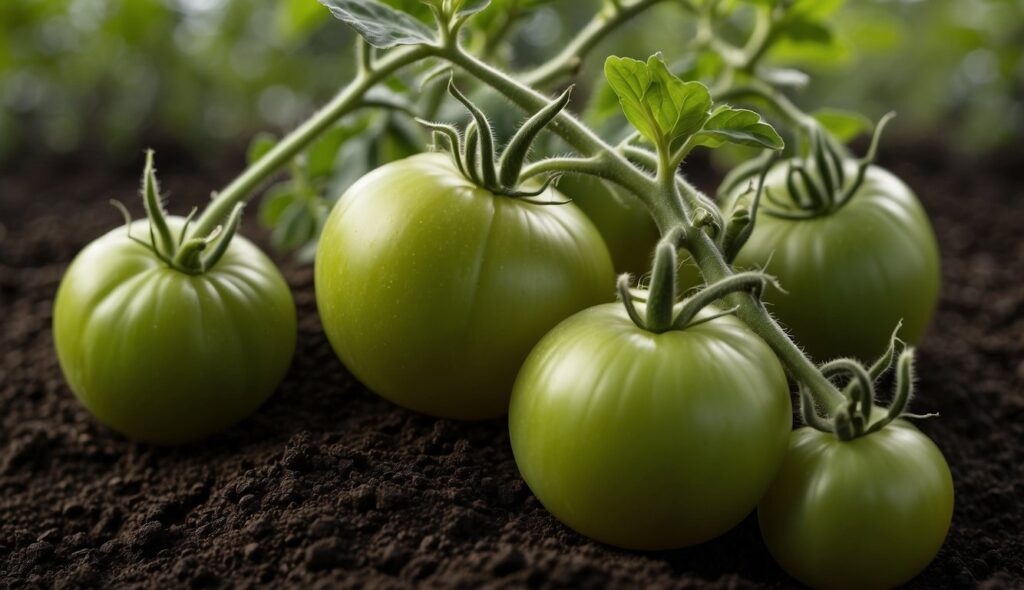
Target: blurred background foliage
[113, 76]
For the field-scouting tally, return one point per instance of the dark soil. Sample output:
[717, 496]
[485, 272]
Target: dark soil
[327, 485]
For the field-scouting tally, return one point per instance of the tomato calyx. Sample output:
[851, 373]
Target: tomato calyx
[854, 419]
[475, 155]
[662, 312]
[818, 184]
[191, 256]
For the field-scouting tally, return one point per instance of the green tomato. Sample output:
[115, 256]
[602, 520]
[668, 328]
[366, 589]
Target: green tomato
[867, 513]
[433, 290]
[649, 441]
[624, 223]
[167, 357]
[627, 228]
[851, 275]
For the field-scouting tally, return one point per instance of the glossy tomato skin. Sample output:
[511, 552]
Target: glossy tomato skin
[627, 228]
[850, 276]
[432, 291]
[862, 514]
[167, 357]
[649, 441]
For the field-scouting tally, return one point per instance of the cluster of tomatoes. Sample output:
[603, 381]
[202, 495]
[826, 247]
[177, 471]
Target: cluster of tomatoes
[453, 301]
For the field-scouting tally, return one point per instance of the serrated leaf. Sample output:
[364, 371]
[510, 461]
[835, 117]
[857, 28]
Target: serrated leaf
[680, 107]
[630, 79]
[259, 146]
[843, 125]
[381, 26]
[739, 126]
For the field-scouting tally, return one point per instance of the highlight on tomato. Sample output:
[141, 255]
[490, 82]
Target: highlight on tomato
[651, 424]
[436, 274]
[851, 245]
[863, 500]
[168, 338]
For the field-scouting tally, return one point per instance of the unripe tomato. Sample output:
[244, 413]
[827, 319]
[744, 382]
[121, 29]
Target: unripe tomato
[862, 514]
[644, 440]
[167, 357]
[853, 274]
[433, 290]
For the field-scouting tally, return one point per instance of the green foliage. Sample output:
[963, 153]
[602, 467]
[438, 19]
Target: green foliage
[381, 26]
[669, 112]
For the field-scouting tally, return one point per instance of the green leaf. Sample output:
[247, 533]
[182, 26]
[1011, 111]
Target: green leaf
[296, 226]
[661, 106]
[321, 155]
[843, 125]
[274, 203]
[381, 26]
[740, 126]
[806, 31]
[259, 146]
[630, 79]
[468, 7]
[679, 107]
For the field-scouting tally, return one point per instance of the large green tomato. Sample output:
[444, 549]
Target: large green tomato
[167, 357]
[862, 514]
[433, 290]
[649, 441]
[625, 225]
[851, 275]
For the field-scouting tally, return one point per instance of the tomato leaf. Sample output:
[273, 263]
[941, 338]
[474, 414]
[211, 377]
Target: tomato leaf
[679, 107]
[843, 125]
[662, 107]
[630, 79]
[381, 26]
[740, 126]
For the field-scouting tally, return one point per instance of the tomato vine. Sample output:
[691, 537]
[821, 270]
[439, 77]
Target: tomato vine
[671, 115]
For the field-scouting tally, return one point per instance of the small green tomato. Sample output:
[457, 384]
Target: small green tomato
[168, 357]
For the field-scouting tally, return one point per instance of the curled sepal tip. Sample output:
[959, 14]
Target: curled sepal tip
[869, 158]
[487, 164]
[627, 300]
[128, 231]
[750, 282]
[860, 394]
[809, 413]
[518, 147]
